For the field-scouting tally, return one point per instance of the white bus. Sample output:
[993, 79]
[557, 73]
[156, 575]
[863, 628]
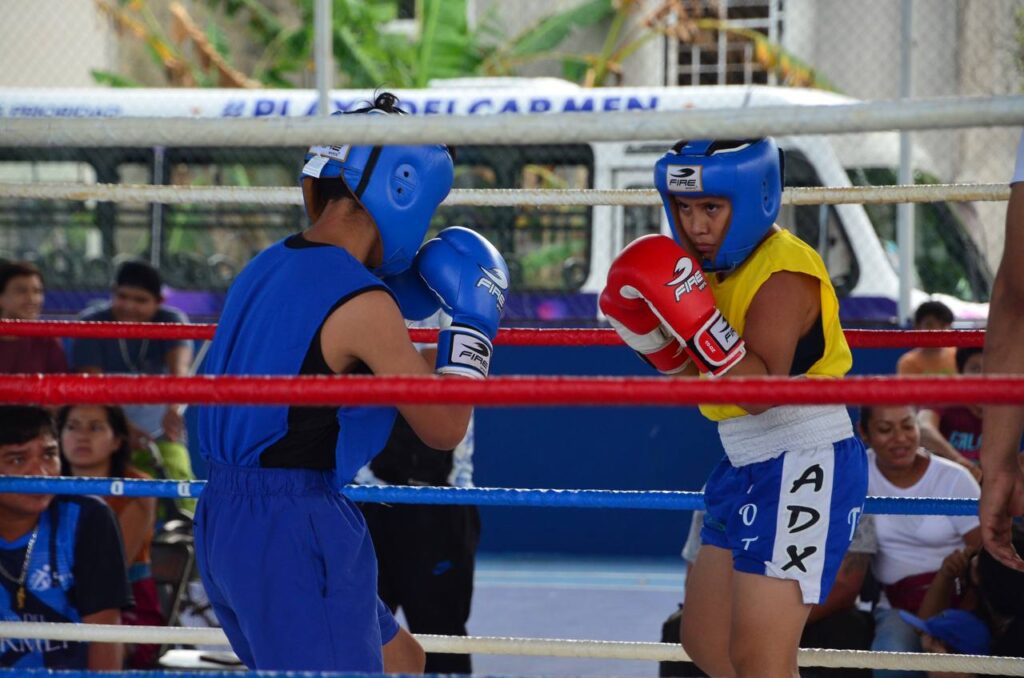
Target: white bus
[558, 256]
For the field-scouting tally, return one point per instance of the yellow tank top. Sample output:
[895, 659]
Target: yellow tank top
[780, 251]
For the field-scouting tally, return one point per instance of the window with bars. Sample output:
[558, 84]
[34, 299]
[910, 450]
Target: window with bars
[723, 55]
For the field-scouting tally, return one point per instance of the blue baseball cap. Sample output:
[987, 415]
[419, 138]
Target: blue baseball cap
[961, 630]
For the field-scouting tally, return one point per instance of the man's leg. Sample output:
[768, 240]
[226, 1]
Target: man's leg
[438, 576]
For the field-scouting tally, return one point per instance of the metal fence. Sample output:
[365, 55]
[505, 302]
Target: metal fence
[959, 48]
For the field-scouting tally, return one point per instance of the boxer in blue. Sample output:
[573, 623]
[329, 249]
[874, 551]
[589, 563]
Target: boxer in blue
[286, 560]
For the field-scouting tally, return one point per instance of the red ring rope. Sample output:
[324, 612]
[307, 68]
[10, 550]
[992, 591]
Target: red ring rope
[508, 336]
[533, 391]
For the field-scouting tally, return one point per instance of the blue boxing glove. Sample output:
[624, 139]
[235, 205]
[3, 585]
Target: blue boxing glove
[470, 279]
[415, 300]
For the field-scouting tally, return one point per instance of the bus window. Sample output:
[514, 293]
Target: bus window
[205, 246]
[638, 221]
[946, 258]
[546, 248]
[819, 226]
[59, 236]
[552, 243]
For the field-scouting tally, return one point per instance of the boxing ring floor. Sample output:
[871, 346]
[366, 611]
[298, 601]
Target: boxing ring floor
[569, 597]
[572, 597]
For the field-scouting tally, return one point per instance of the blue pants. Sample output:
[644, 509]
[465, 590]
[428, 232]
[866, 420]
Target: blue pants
[289, 567]
[892, 634]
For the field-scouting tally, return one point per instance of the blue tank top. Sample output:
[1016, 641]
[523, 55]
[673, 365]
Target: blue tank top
[50, 583]
[271, 325]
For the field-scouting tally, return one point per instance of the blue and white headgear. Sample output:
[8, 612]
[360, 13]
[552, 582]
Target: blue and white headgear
[400, 186]
[748, 173]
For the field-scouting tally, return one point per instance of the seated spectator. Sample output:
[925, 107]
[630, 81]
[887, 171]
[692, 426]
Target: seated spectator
[931, 315]
[911, 549]
[94, 443]
[1001, 593]
[21, 298]
[138, 297]
[951, 632]
[989, 617]
[836, 624]
[954, 432]
[61, 558]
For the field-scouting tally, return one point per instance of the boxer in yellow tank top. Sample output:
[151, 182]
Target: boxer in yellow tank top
[735, 295]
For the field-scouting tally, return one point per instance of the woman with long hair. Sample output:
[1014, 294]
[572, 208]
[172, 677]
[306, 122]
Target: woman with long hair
[94, 442]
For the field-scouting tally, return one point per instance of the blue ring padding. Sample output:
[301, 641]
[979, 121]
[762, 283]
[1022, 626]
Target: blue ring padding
[480, 496]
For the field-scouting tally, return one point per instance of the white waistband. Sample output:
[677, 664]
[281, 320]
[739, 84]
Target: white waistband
[789, 428]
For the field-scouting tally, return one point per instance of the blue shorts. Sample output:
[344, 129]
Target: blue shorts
[288, 564]
[791, 517]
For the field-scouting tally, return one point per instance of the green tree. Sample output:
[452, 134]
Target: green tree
[443, 46]
[366, 56]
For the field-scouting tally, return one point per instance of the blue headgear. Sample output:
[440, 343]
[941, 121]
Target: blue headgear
[748, 173]
[400, 187]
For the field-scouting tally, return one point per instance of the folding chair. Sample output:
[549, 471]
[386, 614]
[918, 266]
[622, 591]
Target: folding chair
[172, 558]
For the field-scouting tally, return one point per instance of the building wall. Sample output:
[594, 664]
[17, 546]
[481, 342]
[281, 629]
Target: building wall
[646, 66]
[63, 40]
[960, 48]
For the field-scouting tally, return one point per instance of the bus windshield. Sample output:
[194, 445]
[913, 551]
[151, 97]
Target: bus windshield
[946, 259]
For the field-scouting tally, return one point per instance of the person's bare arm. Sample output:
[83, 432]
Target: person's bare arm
[105, 656]
[951, 575]
[137, 521]
[370, 328]
[782, 311]
[179, 364]
[933, 440]
[846, 588]
[179, 360]
[972, 539]
[1002, 489]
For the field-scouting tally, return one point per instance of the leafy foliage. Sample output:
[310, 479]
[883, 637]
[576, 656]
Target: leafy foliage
[369, 54]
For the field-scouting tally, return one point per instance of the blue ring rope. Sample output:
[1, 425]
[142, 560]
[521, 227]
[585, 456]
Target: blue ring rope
[480, 496]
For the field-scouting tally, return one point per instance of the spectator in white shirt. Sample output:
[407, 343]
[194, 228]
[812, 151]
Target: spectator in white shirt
[911, 548]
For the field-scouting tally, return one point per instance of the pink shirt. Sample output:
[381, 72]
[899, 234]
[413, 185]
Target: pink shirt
[962, 428]
[30, 355]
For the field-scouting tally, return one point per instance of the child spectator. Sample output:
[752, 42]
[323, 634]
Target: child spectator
[954, 432]
[931, 315]
[21, 298]
[951, 632]
[987, 617]
[94, 443]
[1001, 592]
[61, 558]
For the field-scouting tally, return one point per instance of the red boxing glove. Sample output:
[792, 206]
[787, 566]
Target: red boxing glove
[643, 331]
[656, 270]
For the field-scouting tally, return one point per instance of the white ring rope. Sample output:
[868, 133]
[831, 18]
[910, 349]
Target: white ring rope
[494, 197]
[556, 128]
[591, 649]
